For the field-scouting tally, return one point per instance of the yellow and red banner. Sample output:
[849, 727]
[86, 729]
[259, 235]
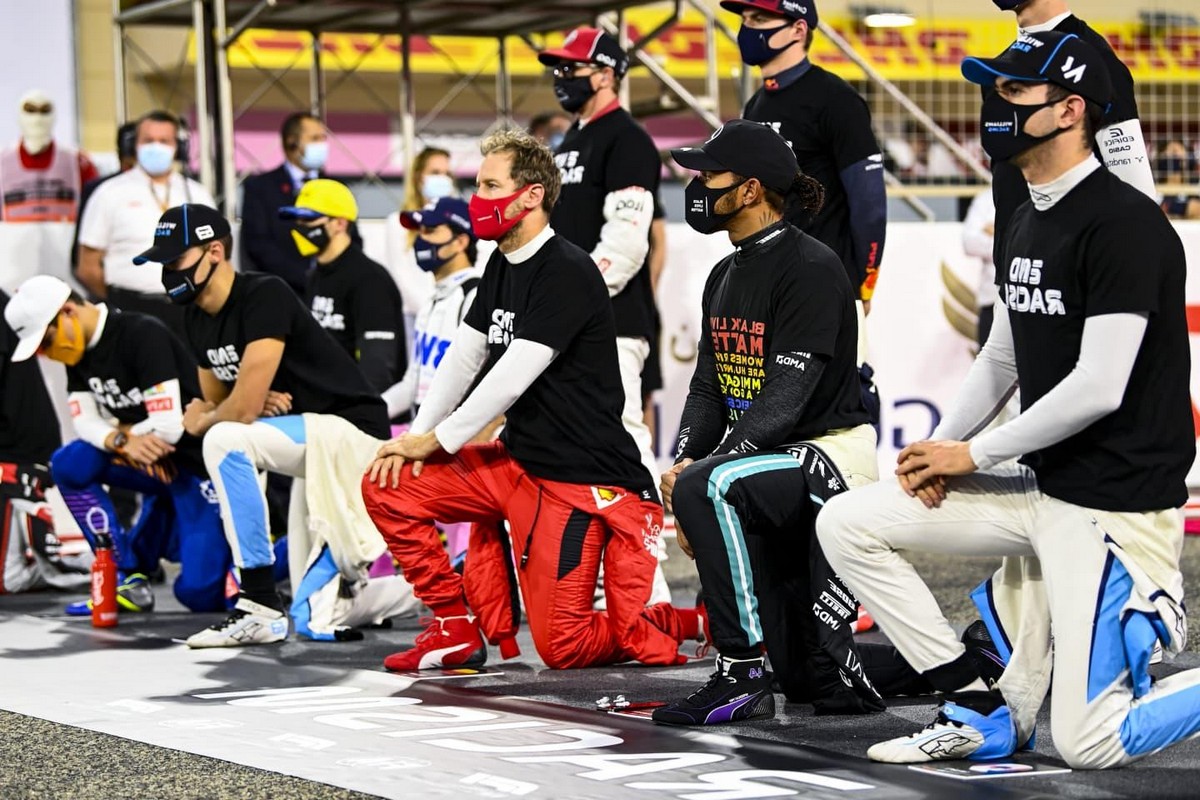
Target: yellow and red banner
[929, 50]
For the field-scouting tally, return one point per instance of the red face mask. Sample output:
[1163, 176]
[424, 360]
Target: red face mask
[487, 216]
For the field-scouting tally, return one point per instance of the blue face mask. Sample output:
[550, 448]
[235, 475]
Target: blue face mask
[554, 141]
[427, 256]
[315, 155]
[753, 44]
[435, 187]
[156, 158]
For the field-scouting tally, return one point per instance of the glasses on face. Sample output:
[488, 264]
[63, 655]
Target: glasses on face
[572, 70]
[37, 108]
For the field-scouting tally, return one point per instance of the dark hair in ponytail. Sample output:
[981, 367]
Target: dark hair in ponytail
[806, 193]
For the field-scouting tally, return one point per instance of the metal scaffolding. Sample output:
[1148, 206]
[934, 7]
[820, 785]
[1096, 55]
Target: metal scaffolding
[219, 23]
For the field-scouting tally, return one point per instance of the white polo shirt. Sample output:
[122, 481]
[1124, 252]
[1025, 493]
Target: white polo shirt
[120, 219]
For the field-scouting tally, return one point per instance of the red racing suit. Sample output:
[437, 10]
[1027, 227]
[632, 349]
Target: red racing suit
[559, 533]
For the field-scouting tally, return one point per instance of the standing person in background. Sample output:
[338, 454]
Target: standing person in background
[350, 295]
[127, 160]
[429, 179]
[119, 221]
[978, 232]
[40, 179]
[549, 128]
[829, 127]
[610, 174]
[266, 241]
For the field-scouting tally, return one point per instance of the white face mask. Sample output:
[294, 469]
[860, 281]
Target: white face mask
[315, 155]
[435, 187]
[156, 158]
[36, 130]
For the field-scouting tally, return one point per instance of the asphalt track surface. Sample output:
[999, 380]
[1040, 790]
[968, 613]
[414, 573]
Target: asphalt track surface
[55, 669]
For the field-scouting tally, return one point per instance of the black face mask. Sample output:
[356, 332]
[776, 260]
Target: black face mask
[316, 236]
[573, 93]
[1002, 127]
[180, 285]
[699, 201]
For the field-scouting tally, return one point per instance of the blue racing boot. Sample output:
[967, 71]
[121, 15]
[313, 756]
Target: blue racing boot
[971, 725]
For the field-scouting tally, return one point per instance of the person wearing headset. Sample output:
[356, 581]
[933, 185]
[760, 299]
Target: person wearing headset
[118, 223]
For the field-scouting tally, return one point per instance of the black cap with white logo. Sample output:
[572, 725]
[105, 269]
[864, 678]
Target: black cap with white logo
[181, 227]
[749, 149]
[1047, 57]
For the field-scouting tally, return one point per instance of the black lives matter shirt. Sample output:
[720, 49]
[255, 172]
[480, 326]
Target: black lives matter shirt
[784, 293]
[610, 153]
[1104, 248]
[567, 425]
[1009, 189]
[828, 126]
[135, 353]
[356, 300]
[321, 377]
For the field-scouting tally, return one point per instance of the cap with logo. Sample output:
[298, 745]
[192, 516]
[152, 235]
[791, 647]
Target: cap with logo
[749, 149]
[181, 227]
[792, 9]
[445, 211]
[32, 309]
[588, 46]
[1047, 57]
[322, 197]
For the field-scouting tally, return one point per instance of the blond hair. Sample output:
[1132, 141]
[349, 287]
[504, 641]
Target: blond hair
[532, 162]
[413, 199]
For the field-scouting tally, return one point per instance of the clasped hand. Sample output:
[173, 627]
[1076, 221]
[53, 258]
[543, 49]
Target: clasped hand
[923, 467]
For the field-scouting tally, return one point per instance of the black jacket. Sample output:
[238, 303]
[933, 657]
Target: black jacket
[266, 241]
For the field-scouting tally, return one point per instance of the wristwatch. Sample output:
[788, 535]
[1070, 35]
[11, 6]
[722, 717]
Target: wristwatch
[119, 441]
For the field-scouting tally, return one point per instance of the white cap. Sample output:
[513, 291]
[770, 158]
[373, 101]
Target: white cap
[32, 309]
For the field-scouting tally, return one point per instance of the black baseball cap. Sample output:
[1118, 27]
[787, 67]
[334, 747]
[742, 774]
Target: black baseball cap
[1047, 57]
[792, 9]
[588, 46]
[182, 227]
[750, 149]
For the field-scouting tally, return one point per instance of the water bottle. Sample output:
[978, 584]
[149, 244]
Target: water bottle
[104, 571]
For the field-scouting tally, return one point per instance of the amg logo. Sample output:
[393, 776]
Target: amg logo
[790, 361]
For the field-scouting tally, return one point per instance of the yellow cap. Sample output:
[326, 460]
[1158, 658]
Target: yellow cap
[328, 198]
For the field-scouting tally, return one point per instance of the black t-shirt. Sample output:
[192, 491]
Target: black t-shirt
[828, 126]
[1105, 248]
[135, 353]
[356, 300]
[567, 425]
[1009, 189]
[785, 292]
[315, 370]
[29, 431]
[610, 153]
